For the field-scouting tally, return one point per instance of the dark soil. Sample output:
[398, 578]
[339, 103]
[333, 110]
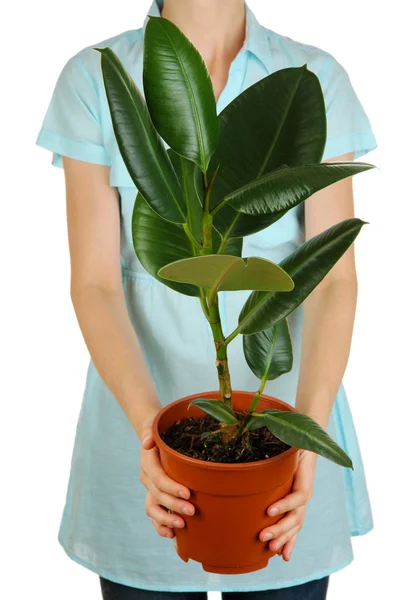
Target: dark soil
[204, 439]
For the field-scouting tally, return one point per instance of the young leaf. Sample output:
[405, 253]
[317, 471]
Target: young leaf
[225, 272]
[140, 145]
[216, 409]
[269, 352]
[301, 431]
[179, 92]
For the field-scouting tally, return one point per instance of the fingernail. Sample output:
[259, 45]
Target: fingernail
[183, 494]
[267, 536]
[276, 546]
[176, 523]
[187, 510]
[273, 511]
[146, 438]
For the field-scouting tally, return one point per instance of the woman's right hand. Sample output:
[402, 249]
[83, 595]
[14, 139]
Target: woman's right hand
[162, 492]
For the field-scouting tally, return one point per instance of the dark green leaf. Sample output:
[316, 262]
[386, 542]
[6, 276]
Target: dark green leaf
[216, 409]
[190, 177]
[301, 431]
[140, 145]
[278, 192]
[179, 92]
[158, 242]
[255, 422]
[279, 120]
[269, 352]
[308, 265]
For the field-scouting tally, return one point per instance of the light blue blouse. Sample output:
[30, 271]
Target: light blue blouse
[104, 526]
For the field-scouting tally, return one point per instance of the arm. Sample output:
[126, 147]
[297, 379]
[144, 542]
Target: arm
[329, 313]
[100, 306]
[97, 293]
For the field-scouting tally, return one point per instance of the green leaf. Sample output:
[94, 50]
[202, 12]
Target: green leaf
[258, 135]
[179, 92]
[269, 352]
[278, 192]
[158, 242]
[190, 177]
[308, 265]
[255, 421]
[216, 409]
[302, 431]
[140, 145]
[225, 272]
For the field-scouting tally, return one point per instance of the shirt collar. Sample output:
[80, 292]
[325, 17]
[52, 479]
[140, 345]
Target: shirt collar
[256, 40]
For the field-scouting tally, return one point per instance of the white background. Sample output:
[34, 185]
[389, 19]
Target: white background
[45, 357]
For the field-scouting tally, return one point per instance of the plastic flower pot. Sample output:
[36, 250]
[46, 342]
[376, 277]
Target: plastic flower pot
[230, 499]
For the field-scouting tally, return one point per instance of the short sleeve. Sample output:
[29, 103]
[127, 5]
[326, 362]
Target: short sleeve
[71, 126]
[348, 126]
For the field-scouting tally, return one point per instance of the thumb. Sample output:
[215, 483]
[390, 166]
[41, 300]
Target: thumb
[147, 439]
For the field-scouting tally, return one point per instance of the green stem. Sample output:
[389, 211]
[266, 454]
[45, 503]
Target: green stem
[221, 352]
[191, 237]
[254, 404]
[232, 336]
[203, 303]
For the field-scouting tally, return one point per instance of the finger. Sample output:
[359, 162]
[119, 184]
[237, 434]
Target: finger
[163, 531]
[161, 515]
[147, 437]
[171, 502]
[163, 482]
[277, 543]
[148, 443]
[288, 548]
[166, 500]
[290, 521]
[289, 502]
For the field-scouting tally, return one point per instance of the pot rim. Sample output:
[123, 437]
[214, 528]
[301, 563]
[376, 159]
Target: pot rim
[206, 464]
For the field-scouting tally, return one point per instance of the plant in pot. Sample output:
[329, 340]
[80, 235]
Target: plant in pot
[224, 177]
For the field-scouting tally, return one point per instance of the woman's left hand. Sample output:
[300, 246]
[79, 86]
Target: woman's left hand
[284, 533]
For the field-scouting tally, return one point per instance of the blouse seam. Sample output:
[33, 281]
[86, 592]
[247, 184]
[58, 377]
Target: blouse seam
[97, 90]
[347, 476]
[352, 133]
[53, 138]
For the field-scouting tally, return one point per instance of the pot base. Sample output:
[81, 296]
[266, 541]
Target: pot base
[228, 570]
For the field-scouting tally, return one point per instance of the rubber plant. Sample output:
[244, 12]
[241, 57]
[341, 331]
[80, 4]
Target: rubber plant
[224, 177]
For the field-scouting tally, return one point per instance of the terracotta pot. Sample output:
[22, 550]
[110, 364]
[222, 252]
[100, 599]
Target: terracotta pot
[230, 499]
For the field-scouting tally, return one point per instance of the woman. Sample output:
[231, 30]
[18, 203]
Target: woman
[133, 329]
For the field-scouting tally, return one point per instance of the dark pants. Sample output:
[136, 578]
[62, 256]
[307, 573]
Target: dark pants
[313, 590]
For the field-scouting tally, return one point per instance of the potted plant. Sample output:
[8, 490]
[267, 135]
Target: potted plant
[222, 178]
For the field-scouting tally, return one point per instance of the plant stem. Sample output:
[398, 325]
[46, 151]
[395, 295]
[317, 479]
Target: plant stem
[203, 303]
[231, 336]
[196, 245]
[211, 306]
[221, 352]
[252, 407]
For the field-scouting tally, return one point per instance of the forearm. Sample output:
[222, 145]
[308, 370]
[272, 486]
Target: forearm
[326, 339]
[115, 351]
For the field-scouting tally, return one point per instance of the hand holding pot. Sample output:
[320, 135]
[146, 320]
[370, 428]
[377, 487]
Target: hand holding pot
[284, 533]
[163, 493]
